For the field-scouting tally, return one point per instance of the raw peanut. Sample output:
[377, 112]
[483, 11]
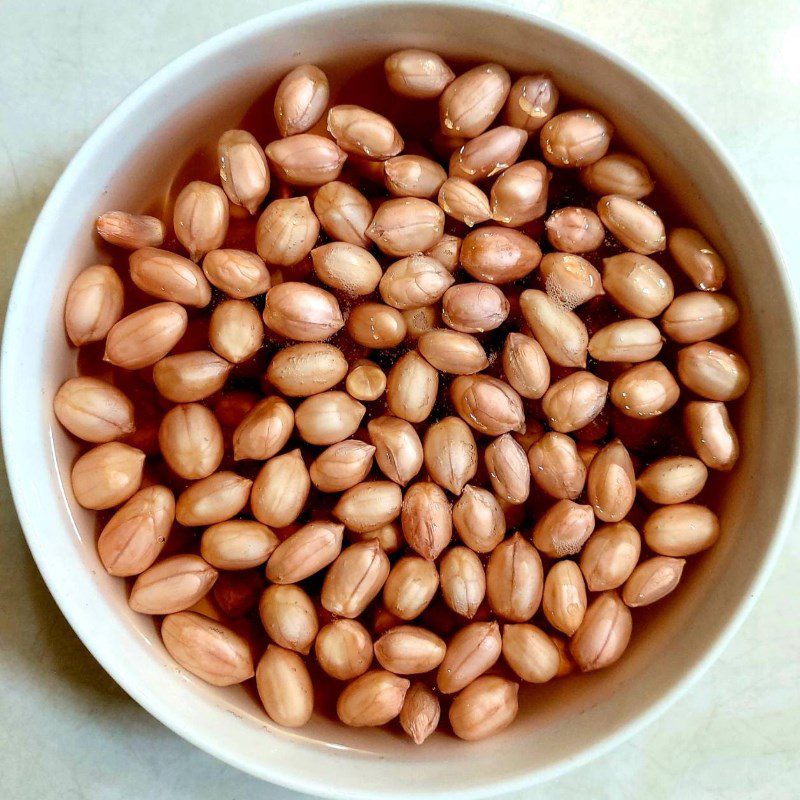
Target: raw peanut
[487, 404]
[301, 370]
[411, 388]
[573, 402]
[410, 587]
[451, 455]
[344, 212]
[611, 483]
[200, 218]
[420, 714]
[280, 490]
[652, 580]
[413, 176]
[347, 267]
[525, 365]
[398, 450]
[509, 471]
[463, 581]
[604, 633]
[426, 518]
[681, 530]
[188, 377]
[369, 505]
[618, 173]
[634, 224]
[288, 616]
[472, 650]
[132, 539]
[174, 584]
[468, 106]
[243, 169]
[453, 352]
[301, 99]
[556, 467]
[417, 73]
[575, 138]
[237, 544]
[610, 555]
[713, 371]
[485, 707]
[362, 132]
[284, 687]
[207, 649]
[474, 307]
[531, 102]
[373, 699]
[464, 202]
[531, 653]
[354, 579]
[569, 279]
[673, 479]
[303, 312]
[421, 320]
[287, 231]
[479, 520]
[235, 330]
[637, 284]
[93, 410]
[414, 281]
[328, 417]
[264, 431]
[306, 159]
[697, 258]
[499, 255]
[564, 597]
[409, 650]
[575, 230]
[344, 649]
[447, 251]
[629, 340]
[305, 552]
[107, 475]
[94, 304]
[376, 326]
[130, 231]
[238, 273]
[514, 579]
[645, 390]
[388, 536]
[559, 331]
[190, 439]
[563, 529]
[695, 316]
[213, 499]
[342, 465]
[366, 381]
[406, 225]
[519, 195]
[488, 154]
[145, 336]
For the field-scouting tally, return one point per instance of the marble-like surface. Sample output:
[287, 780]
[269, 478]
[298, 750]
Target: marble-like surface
[66, 729]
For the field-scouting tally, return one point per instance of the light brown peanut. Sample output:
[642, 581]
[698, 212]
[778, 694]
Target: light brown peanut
[238, 273]
[344, 649]
[508, 468]
[618, 173]
[451, 455]
[463, 581]
[287, 231]
[347, 267]
[411, 387]
[303, 312]
[485, 707]
[556, 467]
[354, 579]
[426, 518]
[575, 138]
[681, 530]
[145, 336]
[213, 499]
[464, 202]
[609, 556]
[525, 365]
[604, 633]
[235, 330]
[398, 450]
[107, 475]
[479, 519]
[487, 404]
[673, 479]
[575, 230]
[190, 439]
[410, 587]
[94, 304]
[570, 280]
[413, 176]
[409, 650]
[559, 331]
[564, 597]
[93, 410]
[531, 102]
[406, 225]
[200, 218]
[328, 417]
[696, 316]
[474, 307]
[472, 650]
[652, 580]
[243, 169]
[188, 377]
[374, 698]
[634, 224]
[284, 687]
[305, 552]
[631, 340]
[514, 579]
[488, 154]
[645, 390]
[530, 652]
[563, 529]
[471, 102]
[288, 616]
[344, 213]
[237, 544]
[519, 195]
[417, 73]
[697, 258]
[306, 159]
[447, 251]
[369, 505]
[365, 381]
[342, 465]
[168, 276]
[304, 369]
[362, 132]
[414, 281]
[420, 714]
[713, 371]
[611, 482]
[301, 99]
[264, 431]
[130, 231]
[376, 325]
[499, 255]
[172, 585]
[574, 401]
[280, 490]
[637, 284]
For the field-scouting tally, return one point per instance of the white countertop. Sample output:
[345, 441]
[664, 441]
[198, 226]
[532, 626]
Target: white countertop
[66, 729]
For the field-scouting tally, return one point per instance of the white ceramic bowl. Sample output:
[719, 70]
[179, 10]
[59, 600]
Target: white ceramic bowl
[568, 722]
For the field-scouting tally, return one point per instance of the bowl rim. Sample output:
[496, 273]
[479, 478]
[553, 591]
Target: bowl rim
[13, 338]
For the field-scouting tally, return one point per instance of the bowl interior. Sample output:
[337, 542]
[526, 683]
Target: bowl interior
[140, 147]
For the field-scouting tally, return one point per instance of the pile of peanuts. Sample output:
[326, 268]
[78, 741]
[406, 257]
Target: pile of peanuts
[439, 453]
